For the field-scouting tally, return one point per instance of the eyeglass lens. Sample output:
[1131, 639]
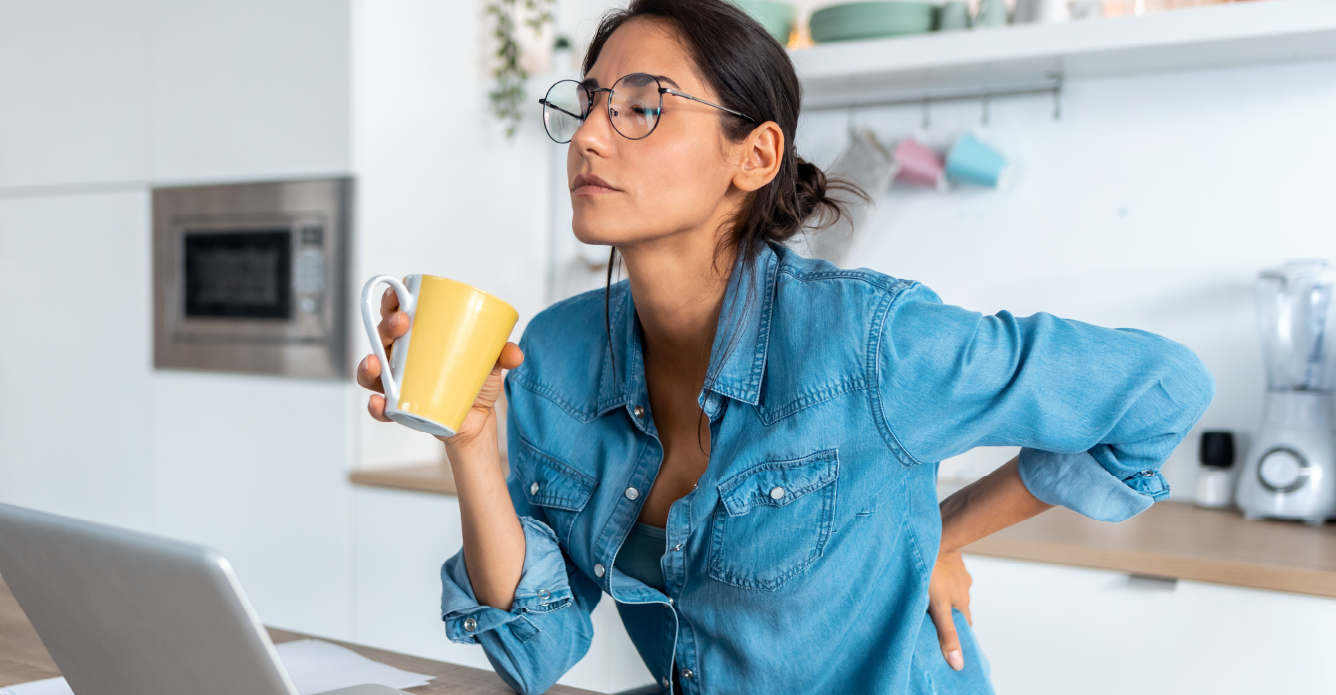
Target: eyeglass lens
[633, 108]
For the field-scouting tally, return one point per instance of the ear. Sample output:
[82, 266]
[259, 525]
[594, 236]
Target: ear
[762, 153]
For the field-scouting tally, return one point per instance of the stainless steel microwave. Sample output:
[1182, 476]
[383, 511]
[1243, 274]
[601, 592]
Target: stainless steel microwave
[252, 277]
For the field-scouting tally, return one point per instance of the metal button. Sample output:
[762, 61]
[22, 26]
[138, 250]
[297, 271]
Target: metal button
[1148, 474]
[666, 683]
[598, 570]
[470, 624]
[639, 411]
[632, 493]
[677, 547]
[544, 594]
[670, 600]
[777, 493]
[533, 489]
[686, 674]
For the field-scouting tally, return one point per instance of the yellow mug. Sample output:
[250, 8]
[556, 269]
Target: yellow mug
[454, 338]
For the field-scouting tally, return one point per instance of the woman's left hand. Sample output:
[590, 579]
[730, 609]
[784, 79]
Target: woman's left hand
[949, 588]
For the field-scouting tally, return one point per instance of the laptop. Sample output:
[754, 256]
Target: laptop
[127, 613]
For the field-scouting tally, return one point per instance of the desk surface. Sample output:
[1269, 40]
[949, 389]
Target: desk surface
[23, 659]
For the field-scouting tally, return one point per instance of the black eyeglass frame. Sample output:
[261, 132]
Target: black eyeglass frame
[593, 93]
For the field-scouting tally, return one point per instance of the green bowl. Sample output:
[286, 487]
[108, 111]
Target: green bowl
[775, 17]
[872, 20]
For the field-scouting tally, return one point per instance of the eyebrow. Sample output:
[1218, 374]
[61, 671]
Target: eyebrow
[592, 82]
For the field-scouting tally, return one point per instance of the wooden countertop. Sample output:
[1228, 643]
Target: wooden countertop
[24, 659]
[1175, 540]
[1180, 541]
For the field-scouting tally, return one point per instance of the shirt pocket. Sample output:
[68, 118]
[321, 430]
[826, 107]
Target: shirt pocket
[773, 520]
[561, 491]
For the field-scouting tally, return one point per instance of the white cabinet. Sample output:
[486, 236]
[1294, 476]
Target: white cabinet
[162, 91]
[400, 540]
[73, 92]
[250, 89]
[1061, 630]
[75, 360]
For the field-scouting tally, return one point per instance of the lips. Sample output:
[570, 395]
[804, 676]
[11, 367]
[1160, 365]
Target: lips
[589, 184]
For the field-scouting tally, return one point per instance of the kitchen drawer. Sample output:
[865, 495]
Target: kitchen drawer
[1057, 629]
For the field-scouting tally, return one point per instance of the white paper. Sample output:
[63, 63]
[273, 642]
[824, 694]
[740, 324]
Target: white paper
[50, 686]
[314, 666]
[317, 667]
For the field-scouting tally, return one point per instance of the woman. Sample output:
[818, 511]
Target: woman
[740, 445]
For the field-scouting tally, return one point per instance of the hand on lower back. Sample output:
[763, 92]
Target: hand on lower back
[949, 588]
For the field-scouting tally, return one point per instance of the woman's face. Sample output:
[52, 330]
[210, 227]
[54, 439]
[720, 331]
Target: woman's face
[678, 179]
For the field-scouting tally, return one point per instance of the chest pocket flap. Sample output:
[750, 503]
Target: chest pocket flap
[778, 483]
[551, 483]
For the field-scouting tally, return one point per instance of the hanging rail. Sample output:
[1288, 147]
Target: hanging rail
[1052, 86]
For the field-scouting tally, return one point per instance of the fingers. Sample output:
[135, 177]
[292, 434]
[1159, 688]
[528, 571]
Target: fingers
[376, 406]
[368, 374]
[389, 302]
[393, 326]
[511, 357]
[940, 611]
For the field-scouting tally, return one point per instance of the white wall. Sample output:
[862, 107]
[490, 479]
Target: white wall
[1152, 204]
[441, 190]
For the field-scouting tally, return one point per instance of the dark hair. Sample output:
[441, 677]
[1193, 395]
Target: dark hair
[750, 72]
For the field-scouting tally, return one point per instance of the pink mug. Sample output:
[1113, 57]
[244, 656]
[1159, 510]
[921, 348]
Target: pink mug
[919, 164]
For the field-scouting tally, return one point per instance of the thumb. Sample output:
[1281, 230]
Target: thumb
[940, 611]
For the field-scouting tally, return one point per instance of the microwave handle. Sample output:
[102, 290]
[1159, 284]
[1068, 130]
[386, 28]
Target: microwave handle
[371, 316]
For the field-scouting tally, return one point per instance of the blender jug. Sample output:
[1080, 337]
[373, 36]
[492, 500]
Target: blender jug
[1291, 472]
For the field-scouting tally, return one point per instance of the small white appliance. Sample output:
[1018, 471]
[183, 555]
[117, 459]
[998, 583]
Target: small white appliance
[1291, 469]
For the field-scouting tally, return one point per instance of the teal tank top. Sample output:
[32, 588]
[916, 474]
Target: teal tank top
[641, 553]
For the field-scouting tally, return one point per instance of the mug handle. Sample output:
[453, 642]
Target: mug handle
[369, 315]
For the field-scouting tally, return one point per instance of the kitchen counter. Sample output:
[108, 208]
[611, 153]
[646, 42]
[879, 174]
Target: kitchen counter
[24, 659]
[1174, 540]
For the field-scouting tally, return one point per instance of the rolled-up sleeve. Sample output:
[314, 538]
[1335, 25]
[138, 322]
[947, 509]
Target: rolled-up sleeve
[547, 629]
[1096, 410]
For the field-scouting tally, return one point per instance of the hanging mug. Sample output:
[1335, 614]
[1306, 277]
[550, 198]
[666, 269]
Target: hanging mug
[436, 369]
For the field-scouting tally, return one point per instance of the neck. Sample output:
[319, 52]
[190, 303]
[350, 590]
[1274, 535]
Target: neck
[678, 288]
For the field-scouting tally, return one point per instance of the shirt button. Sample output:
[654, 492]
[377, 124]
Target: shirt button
[686, 674]
[667, 683]
[639, 411]
[470, 624]
[670, 600]
[776, 493]
[533, 489]
[544, 594]
[632, 493]
[598, 570]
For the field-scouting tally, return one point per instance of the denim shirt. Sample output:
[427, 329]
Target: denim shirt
[800, 562]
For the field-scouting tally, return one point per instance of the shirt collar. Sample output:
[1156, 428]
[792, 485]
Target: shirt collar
[741, 341]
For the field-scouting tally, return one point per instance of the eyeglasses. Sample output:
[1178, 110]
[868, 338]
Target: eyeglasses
[635, 103]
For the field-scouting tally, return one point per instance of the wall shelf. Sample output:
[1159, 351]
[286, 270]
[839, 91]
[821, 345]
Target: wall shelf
[837, 75]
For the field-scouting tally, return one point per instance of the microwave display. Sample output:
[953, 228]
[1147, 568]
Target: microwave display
[238, 274]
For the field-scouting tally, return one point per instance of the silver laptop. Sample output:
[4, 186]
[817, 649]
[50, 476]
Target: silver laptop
[126, 613]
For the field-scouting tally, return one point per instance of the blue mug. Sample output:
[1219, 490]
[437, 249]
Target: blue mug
[971, 161]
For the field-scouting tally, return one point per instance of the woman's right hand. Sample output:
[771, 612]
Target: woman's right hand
[393, 325]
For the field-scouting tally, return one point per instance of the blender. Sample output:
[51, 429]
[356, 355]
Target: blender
[1291, 473]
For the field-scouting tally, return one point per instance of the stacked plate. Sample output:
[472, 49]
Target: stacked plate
[857, 21]
[775, 17]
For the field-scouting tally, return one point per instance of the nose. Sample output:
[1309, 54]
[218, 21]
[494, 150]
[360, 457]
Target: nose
[595, 133]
